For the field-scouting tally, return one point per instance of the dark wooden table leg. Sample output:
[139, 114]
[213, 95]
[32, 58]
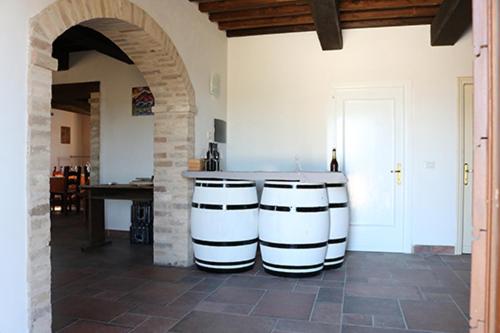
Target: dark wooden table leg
[95, 222]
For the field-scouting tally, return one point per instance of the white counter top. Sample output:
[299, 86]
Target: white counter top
[305, 176]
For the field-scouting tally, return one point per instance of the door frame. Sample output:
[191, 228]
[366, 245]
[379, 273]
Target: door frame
[407, 112]
[462, 81]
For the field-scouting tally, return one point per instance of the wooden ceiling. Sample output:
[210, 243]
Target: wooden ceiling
[327, 17]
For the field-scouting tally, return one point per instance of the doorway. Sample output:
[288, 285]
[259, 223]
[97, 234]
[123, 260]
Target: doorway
[373, 163]
[465, 179]
[151, 49]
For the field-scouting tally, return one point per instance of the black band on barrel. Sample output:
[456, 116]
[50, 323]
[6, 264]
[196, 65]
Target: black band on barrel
[225, 263]
[275, 208]
[311, 186]
[293, 246]
[224, 243]
[278, 186]
[210, 206]
[336, 241]
[335, 185]
[337, 205]
[242, 207]
[240, 185]
[311, 209]
[292, 267]
[334, 259]
[209, 185]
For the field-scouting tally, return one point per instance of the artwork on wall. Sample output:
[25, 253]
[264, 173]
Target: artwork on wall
[142, 101]
[65, 135]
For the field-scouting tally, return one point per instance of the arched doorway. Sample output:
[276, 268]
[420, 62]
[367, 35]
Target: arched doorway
[145, 42]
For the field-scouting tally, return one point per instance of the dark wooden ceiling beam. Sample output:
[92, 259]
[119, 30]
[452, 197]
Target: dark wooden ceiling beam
[401, 13]
[386, 22]
[73, 97]
[356, 5]
[270, 30]
[80, 38]
[279, 11]
[452, 20]
[235, 5]
[344, 25]
[267, 22]
[327, 21]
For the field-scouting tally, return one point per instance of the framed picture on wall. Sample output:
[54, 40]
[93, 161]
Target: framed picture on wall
[65, 135]
[142, 101]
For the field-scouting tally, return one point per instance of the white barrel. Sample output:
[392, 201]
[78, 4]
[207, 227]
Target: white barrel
[224, 224]
[293, 227]
[339, 225]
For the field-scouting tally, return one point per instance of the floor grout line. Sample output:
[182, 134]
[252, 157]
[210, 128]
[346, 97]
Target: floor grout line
[402, 314]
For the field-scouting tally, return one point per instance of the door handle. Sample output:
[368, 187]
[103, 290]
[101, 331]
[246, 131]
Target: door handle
[466, 174]
[398, 172]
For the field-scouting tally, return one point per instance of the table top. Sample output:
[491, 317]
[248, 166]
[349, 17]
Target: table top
[303, 176]
[118, 186]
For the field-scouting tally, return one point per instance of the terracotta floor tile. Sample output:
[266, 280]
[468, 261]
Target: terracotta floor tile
[369, 305]
[155, 325]
[131, 320]
[118, 284]
[243, 309]
[388, 321]
[332, 295]
[59, 322]
[300, 326]
[325, 312]
[88, 326]
[373, 290]
[259, 282]
[236, 295]
[205, 322]
[89, 308]
[285, 304]
[442, 317]
[357, 319]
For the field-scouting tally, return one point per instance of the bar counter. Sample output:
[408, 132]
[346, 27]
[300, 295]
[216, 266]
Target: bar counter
[305, 176]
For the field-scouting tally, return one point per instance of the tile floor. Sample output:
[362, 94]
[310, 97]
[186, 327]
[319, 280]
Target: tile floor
[117, 289]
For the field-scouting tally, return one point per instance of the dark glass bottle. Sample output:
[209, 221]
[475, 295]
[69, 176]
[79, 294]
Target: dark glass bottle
[334, 165]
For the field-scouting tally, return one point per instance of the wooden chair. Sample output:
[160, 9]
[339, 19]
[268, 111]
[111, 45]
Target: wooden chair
[73, 182]
[57, 193]
[83, 193]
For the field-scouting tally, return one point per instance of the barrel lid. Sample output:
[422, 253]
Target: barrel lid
[293, 184]
[223, 182]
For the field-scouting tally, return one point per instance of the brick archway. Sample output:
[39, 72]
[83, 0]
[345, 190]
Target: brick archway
[145, 42]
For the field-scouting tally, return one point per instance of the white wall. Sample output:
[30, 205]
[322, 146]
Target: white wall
[280, 99]
[200, 44]
[13, 94]
[126, 141]
[60, 154]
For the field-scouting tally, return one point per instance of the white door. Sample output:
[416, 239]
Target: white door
[467, 114]
[370, 142]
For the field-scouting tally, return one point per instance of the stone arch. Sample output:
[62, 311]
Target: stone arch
[146, 43]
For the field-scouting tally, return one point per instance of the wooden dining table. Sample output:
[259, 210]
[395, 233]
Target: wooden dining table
[96, 194]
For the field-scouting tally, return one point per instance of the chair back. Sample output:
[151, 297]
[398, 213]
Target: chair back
[86, 175]
[72, 179]
[57, 185]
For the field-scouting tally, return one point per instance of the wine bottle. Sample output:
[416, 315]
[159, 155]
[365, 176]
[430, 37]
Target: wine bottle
[334, 165]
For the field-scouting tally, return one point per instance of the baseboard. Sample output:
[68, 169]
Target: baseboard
[119, 234]
[434, 249]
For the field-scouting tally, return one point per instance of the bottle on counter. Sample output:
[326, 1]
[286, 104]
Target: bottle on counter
[212, 162]
[334, 164]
